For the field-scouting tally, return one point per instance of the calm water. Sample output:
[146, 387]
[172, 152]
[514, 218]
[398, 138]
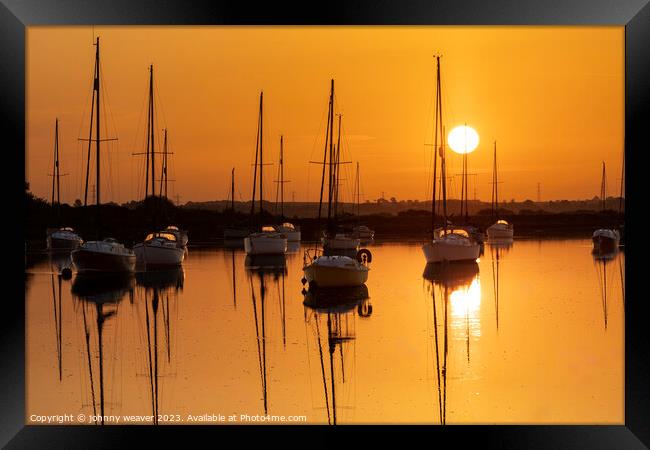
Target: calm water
[533, 334]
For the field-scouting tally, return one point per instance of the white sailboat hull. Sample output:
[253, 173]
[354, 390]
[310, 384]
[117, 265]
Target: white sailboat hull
[151, 255]
[323, 274]
[441, 251]
[265, 245]
[499, 231]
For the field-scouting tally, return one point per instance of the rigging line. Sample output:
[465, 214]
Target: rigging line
[111, 152]
[159, 101]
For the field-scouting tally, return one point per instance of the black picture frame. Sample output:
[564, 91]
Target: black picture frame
[16, 15]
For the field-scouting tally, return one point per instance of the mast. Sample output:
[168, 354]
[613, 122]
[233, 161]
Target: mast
[337, 172]
[55, 171]
[322, 181]
[443, 174]
[495, 192]
[437, 121]
[281, 177]
[257, 152]
[465, 189]
[358, 190]
[330, 227]
[152, 132]
[163, 178]
[602, 189]
[261, 155]
[232, 189]
[96, 87]
[620, 198]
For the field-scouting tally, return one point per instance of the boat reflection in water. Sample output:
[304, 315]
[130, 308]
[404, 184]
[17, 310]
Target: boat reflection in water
[100, 294]
[458, 286]
[498, 248]
[330, 313]
[260, 270]
[602, 260]
[155, 289]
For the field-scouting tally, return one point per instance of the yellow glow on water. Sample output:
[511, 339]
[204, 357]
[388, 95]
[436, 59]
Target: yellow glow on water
[466, 300]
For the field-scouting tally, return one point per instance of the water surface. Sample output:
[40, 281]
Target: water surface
[533, 333]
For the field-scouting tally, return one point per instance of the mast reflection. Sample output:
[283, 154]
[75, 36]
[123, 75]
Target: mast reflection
[101, 293]
[458, 286]
[336, 307]
[259, 269]
[156, 288]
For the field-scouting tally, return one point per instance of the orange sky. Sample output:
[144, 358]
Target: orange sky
[552, 97]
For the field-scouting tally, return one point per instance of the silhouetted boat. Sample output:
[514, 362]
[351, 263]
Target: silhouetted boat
[267, 241]
[326, 269]
[501, 229]
[64, 238]
[605, 240]
[448, 244]
[291, 231]
[107, 255]
[160, 249]
[61, 238]
[164, 248]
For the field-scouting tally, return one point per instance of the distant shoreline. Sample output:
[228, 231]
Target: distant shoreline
[130, 225]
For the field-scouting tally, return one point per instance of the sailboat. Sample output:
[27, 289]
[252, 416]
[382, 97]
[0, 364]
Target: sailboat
[163, 248]
[108, 255]
[361, 232]
[501, 229]
[447, 244]
[605, 240]
[291, 231]
[62, 238]
[267, 241]
[334, 270]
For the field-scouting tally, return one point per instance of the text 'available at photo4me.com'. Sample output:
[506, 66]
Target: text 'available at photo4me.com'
[207, 418]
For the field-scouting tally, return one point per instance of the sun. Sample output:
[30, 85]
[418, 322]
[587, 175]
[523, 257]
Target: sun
[463, 139]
